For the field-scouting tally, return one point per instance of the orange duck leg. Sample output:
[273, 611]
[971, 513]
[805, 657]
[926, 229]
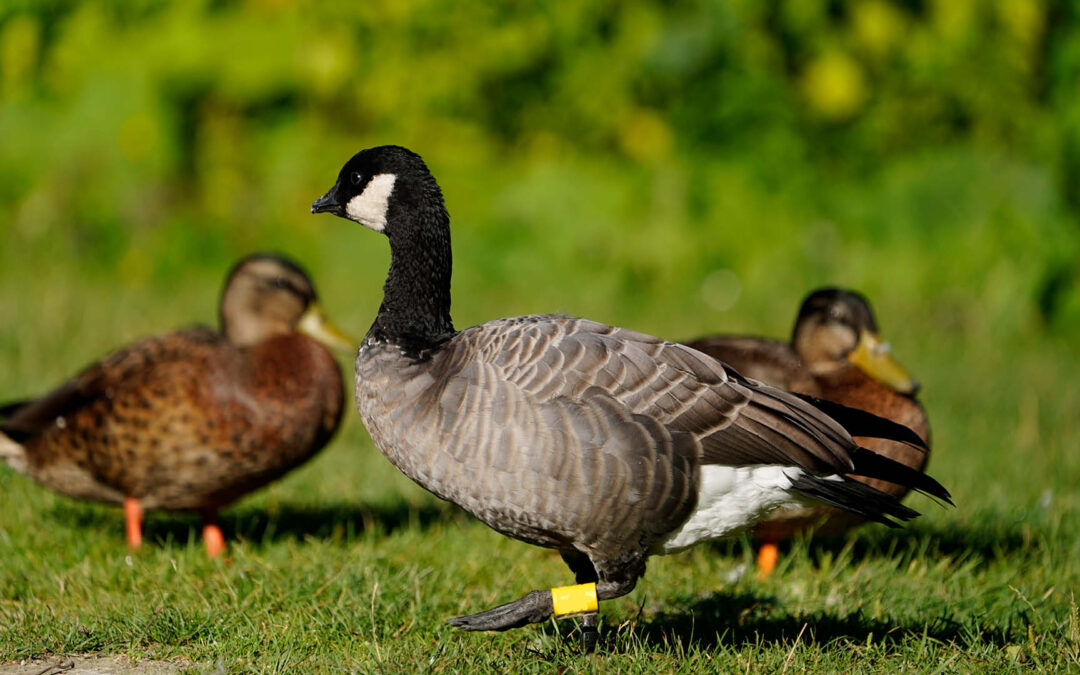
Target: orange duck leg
[133, 520]
[767, 556]
[212, 535]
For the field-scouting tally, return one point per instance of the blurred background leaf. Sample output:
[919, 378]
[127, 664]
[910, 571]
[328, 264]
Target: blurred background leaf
[636, 147]
[679, 167]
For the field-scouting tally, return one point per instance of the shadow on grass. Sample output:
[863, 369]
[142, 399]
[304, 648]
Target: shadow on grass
[986, 538]
[983, 540]
[743, 620]
[339, 522]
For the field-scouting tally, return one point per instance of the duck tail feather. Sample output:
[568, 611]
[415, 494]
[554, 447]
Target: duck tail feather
[9, 409]
[12, 454]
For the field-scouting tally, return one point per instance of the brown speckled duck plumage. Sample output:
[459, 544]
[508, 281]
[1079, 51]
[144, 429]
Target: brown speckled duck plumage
[196, 418]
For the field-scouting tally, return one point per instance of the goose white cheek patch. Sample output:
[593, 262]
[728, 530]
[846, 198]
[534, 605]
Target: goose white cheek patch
[369, 207]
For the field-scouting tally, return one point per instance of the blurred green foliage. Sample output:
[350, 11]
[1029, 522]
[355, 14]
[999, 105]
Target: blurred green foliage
[662, 140]
[785, 143]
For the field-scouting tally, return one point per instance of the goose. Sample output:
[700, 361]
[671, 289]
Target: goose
[835, 353]
[194, 419]
[605, 444]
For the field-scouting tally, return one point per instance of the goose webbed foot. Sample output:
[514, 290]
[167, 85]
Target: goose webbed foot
[532, 608]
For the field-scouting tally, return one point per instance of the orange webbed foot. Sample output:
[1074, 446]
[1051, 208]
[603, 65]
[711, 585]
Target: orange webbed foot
[767, 556]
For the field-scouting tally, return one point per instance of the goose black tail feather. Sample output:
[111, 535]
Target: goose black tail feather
[861, 423]
[851, 495]
[873, 465]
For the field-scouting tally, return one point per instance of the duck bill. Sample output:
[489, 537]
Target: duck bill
[328, 203]
[873, 356]
[316, 326]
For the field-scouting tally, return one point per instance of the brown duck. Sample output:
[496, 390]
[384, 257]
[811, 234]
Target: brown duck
[195, 419]
[836, 354]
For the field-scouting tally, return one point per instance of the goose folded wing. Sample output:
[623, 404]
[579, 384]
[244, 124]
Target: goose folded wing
[556, 471]
[737, 421]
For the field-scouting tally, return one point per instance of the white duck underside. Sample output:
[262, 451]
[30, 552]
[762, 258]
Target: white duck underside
[731, 499]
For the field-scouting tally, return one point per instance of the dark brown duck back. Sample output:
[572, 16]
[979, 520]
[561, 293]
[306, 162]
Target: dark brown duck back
[183, 421]
[769, 361]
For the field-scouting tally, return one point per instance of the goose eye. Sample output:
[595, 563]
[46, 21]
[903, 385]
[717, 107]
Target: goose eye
[355, 177]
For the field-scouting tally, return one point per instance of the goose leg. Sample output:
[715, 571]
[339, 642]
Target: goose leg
[590, 632]
[766, 559]
[585, 573]
[212, 536]
[133, 521]
[532, 608]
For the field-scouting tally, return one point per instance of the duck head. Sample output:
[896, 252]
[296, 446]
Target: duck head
[836, 329]
[267, 295]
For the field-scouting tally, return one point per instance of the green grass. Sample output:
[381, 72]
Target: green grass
[346, 566]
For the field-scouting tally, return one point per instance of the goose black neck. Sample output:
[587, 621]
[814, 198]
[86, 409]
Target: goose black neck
[415, 312]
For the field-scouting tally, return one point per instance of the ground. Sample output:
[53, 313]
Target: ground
[78, 664]
[346, 567]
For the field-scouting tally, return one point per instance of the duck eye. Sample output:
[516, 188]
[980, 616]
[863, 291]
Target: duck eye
[355, 177]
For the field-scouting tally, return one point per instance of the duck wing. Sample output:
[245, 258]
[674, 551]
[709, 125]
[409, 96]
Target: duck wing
[25, 420]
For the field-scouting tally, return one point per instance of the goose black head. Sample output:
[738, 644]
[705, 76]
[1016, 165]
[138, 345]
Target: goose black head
[377, 184]
[836, 328]
[268, 295]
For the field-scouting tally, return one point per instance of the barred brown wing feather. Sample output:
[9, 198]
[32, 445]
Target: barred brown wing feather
[738, 421]
[36, 416]
[534, 469]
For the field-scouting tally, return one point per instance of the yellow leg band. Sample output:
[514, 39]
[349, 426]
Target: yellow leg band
[579, 599]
